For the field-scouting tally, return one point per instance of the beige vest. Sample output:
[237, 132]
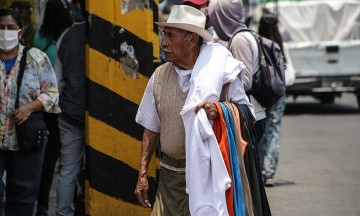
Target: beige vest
[169, 101]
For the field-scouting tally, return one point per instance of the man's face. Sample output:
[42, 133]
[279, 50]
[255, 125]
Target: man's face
[175, 45]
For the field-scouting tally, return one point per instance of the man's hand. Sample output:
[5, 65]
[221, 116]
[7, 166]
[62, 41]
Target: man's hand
[210, 109]
[142, 190]
[148, 147]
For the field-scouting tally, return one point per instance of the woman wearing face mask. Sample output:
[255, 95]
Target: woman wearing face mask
[38, 91]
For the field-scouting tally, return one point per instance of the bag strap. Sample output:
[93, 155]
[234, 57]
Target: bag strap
[47, 45]
[20, 75]
[258, 42]
[242, 30]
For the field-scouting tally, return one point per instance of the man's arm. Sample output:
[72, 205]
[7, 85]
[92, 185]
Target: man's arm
[148, 147]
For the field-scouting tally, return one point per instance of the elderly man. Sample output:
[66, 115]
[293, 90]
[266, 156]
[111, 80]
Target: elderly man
[196, 75]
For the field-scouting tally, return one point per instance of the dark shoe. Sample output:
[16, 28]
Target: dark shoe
[269, 182]
[41, 212]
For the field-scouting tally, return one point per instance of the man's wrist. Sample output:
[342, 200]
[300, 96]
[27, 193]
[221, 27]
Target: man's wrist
[142, 173]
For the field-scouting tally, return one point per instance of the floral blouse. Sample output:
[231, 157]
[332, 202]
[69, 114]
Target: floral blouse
[39, 82]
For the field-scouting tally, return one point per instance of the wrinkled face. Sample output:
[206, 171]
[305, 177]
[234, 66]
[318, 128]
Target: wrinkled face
[175, 45]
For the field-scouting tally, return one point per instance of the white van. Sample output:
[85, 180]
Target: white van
[322, 44]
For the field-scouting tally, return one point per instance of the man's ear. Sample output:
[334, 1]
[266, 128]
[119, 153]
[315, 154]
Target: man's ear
[194, 38]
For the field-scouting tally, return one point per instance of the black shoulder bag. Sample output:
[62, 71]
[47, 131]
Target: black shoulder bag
[30, 134]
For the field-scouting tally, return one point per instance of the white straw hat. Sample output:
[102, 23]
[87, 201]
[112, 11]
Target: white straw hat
[189, 19]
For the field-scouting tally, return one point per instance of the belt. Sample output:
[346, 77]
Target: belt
[177, 165]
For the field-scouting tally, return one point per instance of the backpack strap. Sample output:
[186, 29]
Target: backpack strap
[21, 75]
[244, 30]
[258, 42]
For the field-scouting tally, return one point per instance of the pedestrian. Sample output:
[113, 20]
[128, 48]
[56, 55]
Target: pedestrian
[227, 18]
[195, 68]
[38, 92]
[70, 69]
[270, 141]
[57, 18]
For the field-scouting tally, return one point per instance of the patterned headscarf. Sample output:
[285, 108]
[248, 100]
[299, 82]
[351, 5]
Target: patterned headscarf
[227, 17]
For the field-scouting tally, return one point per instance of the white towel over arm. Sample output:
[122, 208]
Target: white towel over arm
[206, 176]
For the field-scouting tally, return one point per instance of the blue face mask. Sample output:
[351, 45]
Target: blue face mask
[78, 15]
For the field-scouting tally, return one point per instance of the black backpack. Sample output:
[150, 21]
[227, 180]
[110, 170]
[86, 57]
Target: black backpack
[268, 84]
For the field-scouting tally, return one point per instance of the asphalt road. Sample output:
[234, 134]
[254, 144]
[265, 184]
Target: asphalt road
[319, 168]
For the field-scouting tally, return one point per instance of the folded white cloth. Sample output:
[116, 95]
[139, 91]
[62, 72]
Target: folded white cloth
[206, 176]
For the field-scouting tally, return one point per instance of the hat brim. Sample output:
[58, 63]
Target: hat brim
[188, 27]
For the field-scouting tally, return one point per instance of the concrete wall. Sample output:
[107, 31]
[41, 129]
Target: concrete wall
[122, 50]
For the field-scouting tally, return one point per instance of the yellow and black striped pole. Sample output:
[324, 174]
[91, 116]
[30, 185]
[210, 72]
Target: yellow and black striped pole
[122, 50]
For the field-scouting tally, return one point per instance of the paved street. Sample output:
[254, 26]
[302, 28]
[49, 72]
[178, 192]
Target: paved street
[319, 172]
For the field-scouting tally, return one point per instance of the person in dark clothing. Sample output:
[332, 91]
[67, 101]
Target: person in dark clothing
[70, 70]
[57, 19]
[269, 145]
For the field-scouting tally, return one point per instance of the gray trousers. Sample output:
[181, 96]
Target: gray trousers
[72, 139]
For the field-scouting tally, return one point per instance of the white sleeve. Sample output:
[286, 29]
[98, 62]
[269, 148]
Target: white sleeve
[233, 68]
[147, 114]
